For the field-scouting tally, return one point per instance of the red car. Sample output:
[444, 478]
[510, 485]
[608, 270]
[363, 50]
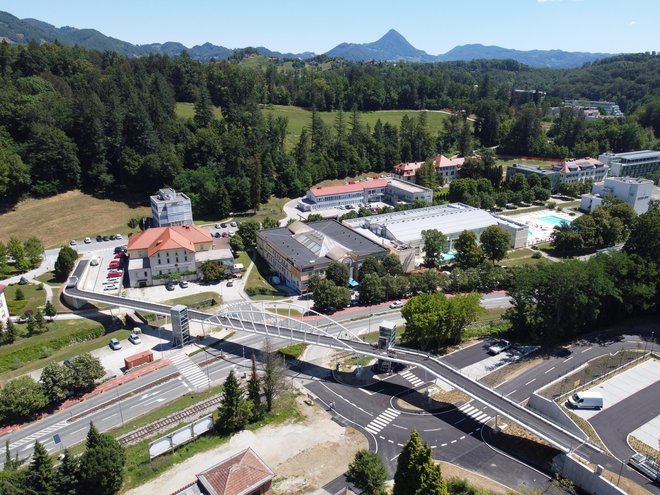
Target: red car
[114, 274]
[119, 256]
[225, 234]
[114, 264]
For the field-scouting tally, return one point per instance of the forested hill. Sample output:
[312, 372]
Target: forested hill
[76, 118]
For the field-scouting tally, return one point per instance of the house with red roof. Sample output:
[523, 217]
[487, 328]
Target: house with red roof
[4, 310]
[241, 474]
[154, 255]
[447, 168]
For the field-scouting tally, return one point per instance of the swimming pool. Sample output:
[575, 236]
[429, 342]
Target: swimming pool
[554, 220]
[448, 256]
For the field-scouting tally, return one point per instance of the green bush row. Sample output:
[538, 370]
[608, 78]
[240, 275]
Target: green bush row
[31, 352]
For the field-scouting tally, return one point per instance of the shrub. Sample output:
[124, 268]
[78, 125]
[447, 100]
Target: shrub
[536, 255]
[20, 295]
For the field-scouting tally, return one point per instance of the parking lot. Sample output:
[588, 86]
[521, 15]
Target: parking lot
[623, 385]
[97, 279]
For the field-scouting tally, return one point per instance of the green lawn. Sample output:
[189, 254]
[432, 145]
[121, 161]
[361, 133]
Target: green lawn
[539, 163]
[197, 300]
[299, 118]
[519, 253]
[49, 278]
[35, 297]
[243, 258]
[187, 111]
[293, 351]
[258, 282]
[49, 346]
[274, 209]
[294, 313]
[523, 261]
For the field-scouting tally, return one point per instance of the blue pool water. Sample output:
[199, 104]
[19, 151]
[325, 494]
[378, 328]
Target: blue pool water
[530, 234]
[554, 220]
[448, 256]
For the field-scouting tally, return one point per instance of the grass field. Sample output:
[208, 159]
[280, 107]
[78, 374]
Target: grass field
[194, 300]
[274, 209]
[187, 111]
[539, 163]
[35, 297]
[299, 118]
[71, 215]
[257, 281]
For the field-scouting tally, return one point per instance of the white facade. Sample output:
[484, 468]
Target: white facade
[634, 191]
[170, 208]
[633, 163]
[4, 310]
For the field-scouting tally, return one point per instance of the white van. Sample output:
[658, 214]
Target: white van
[586, 400]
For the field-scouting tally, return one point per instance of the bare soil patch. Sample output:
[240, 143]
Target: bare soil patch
[71, 215]
[509, 372]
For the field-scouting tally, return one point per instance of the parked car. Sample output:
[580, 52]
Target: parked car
[223, 225]
[169, 285]
[115, 274]
[113, 237]
[183, 284]
[499, 346]
[111, 287]
[106, 237]
[396, 305]
[72, 243]
[114, 264]
[118, 236]
[87, 240]
[119, 256]
[230, 284]
[233, 224]
[99, 238]
[115, 345]
[217, 225]
[225, 234]
[134, 339]
[94, 262]
[68, 363]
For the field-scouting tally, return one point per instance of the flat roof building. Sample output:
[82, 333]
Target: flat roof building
[403, 229]
[170, 208]
[580, 170]
[632, 163]
[300, 250]
[363, 192]
[633, 190]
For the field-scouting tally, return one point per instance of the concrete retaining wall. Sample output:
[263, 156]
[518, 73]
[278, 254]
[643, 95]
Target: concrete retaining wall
[583, 477]
[552, 411]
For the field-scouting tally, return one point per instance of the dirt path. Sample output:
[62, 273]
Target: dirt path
[304, 456]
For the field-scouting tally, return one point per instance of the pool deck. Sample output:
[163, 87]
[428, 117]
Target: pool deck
[540, 230]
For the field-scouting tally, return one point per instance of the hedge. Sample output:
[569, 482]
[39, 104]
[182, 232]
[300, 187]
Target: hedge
[27, 353]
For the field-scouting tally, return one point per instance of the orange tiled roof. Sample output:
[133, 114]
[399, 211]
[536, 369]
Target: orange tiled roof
[347, 188]
[240, 474]
[164, 238]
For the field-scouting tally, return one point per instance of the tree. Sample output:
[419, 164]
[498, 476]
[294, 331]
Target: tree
[337, 273]
[16, 249]
[427, 175]
[369, 265]
[33, 250]
[468, 252]
[416, 472]
[101, 468]
[273, 379]
[434, 320]
[236, 244]
[66, 477]
[56, 380]
[66, 259]
[10, 332]
[49, 310]
[254, 390]
[328, 297]
[212, 270]
[270, 223]
[234, 412]
[31, 324]
[248, 232]
[565, 240]
[21, 398]
[367, 472]
[495, 242]
[371, 289]
[313, 217]
[644, 237]
[39, 319]
[435, 243]
[85, 370]
[19, 295]
[40, 473]
[392, 264]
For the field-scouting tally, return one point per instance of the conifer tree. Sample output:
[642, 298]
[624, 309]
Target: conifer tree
[234, 411]
[254, 389]
[101, 465]
[40, 474]
[66, 478]
[416, 472]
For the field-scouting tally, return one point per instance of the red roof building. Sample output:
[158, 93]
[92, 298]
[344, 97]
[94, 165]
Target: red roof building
[241, 474]
[447, 168]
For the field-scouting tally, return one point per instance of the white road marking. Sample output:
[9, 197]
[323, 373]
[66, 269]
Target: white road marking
[532, 380]
[443, 445]
[587, 349]
[549, 370]
[566, 360]
[512, 392]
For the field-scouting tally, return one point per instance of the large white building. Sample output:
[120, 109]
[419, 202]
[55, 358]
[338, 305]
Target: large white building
[363, 192]
[633, 190]
[170, 208]
[632, 163]
[569, 171]
[402, 231]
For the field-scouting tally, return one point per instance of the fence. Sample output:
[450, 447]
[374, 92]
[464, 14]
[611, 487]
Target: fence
[180, 436]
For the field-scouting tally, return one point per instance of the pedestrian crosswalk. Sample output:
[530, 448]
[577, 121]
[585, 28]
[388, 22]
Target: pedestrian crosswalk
[474, 413]
[30, 439]
[191, 373]
[410, 377]
[382, 420]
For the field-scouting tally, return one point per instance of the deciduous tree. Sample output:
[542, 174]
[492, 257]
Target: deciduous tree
[21, 398]
[56, 380]
[435, 243]
[468, 252]
[495, 242]
[85, 370]
[337, 273]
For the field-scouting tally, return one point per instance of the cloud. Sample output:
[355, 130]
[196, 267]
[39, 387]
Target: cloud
[632, 23]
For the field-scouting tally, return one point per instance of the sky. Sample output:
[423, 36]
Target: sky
[435, 26]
